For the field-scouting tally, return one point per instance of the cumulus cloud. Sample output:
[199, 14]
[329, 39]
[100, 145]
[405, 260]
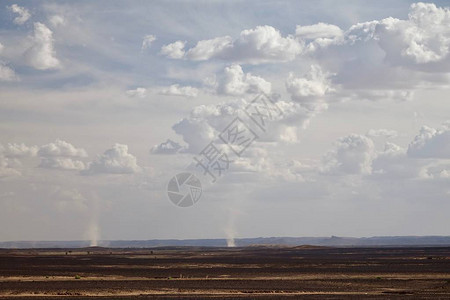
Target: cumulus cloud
[382, 133]
[423, 38]
[22, 14]
[177, 90]
[319, 30]
[174, 50]
[206, 49]
[260, 164]
[394, 163]
[365, 31]
[6, 168]
[259, 45]
[205, 122]
[351, 154]
[18, 150]
[425, 158]
[168, 147]
[57, 20]
[61, 148]
[431, 143]
[235, 82]
[41, 55]
[310, 89]
[384, 59]
[196, 132]
[147, 41]
[139, 92]
[295, 117]
[359, 64]
[10, 155]
[61, 163]
[61, 155]
[116, 160]
[264, 44]
[7, 73]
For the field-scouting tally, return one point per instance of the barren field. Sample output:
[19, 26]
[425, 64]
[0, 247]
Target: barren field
[226, 273]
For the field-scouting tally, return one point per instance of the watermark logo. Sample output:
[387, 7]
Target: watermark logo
[184, 189]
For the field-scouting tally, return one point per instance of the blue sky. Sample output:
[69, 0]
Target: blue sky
[91, 91]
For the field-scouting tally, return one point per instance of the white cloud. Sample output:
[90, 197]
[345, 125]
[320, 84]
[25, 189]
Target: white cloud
[351, 154]
[235, 82]
[384, 59]
[168, 147]
[41, 55]
[116, 160]
[60, 148]
[359, 64]
[6, 73]
[57, 20]
[205, 122]
[22, 12]
[86, 98]
[207, 49]
[295, 117]
[382, 133]
[356, 154]
[18, 150]
[6, 169]
[139, 92]
[361, 32]
[260, 45]
[319, 30]
[431, 143]
[376, 95]
[445, 174]
[423, 38]
[61, 155]
[260, 164]
[61, 163]
[10, 155]
[264, 44]
[196, 132]
[147, 41]
[174, 50]
[310, 89]
[437, 171]
[177, 90]
[393, 163]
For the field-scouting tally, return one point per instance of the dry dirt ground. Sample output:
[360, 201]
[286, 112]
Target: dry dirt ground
[226, 273]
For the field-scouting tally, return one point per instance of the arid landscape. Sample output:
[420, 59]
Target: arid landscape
[226, 273]
[243, 149]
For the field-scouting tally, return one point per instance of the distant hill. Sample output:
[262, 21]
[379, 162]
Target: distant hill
[244, 242]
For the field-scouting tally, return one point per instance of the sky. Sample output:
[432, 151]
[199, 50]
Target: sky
[103, 103]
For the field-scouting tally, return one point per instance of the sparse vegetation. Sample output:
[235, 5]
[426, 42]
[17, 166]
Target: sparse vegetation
[239, 272]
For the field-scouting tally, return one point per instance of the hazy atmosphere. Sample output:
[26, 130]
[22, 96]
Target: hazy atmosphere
[102, 103]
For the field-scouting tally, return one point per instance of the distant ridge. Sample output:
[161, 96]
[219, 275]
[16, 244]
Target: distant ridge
[245, 242]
